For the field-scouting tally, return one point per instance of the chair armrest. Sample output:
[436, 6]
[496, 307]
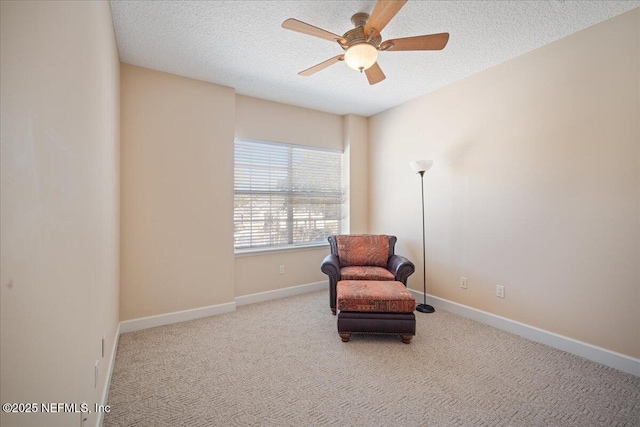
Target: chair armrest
[401, 268]
[331, 267]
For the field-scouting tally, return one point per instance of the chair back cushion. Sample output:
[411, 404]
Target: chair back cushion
[363, 249]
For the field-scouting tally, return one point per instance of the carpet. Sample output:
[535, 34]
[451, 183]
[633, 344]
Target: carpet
[282, 363]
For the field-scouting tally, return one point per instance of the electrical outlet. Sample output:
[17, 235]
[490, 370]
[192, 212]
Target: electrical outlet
[500, 291]
[463, 282]
[282, 269]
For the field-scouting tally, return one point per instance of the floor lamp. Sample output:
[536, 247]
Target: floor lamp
[421, 166]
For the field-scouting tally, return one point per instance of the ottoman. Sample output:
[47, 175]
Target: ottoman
[375, 307]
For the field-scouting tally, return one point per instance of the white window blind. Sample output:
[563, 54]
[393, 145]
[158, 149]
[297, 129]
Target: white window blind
[285, 194]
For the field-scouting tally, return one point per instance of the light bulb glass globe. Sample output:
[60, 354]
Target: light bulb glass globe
[361, 56]
[421, 165]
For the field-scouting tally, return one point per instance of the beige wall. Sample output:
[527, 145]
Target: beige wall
[271, 121]
[356, 172]
[260, 272]
[177, 193]
[177, 197]
[534, 186]
[60, 204]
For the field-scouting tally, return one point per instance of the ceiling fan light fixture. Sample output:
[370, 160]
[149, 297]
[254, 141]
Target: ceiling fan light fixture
[361, 56]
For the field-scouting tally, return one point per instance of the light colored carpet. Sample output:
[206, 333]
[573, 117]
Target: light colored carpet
[281, 363]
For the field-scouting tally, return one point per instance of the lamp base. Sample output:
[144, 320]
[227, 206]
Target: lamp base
[425, 308]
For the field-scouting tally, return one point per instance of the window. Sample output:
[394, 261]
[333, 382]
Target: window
[285, 195]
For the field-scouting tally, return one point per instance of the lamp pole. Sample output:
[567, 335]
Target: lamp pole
[422, 167]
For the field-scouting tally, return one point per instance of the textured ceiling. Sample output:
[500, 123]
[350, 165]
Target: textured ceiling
[241, 44]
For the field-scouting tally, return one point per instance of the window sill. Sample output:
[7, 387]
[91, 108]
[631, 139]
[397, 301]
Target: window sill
[292, 248]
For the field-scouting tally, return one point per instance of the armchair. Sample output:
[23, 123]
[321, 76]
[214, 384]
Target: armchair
[364, 257]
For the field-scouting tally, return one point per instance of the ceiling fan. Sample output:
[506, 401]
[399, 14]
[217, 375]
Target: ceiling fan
[363, 43]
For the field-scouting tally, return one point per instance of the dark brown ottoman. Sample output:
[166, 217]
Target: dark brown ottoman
[375, 307]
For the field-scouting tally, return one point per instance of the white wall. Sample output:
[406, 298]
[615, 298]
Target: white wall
[60, 204]
[535, 186]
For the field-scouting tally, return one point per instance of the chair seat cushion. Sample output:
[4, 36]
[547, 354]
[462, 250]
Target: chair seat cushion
[365, 273]
[376, 296]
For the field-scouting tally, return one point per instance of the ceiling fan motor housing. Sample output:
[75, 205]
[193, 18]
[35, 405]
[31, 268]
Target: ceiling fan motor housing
[357, 35]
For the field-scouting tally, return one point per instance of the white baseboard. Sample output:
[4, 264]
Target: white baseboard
[588, 351]
[281, 293]
[175, 317]
[196, 313]
[107, 383]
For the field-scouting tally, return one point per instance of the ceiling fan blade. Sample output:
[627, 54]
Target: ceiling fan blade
[426, 42]
[374, 74]
[304, 28]
[382, 13]
[321, 66]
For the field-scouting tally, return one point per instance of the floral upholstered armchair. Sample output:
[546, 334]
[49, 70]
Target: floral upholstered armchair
[364, 257]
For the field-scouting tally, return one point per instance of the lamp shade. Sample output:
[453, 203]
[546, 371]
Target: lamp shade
[361, 56]
[421, 165]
